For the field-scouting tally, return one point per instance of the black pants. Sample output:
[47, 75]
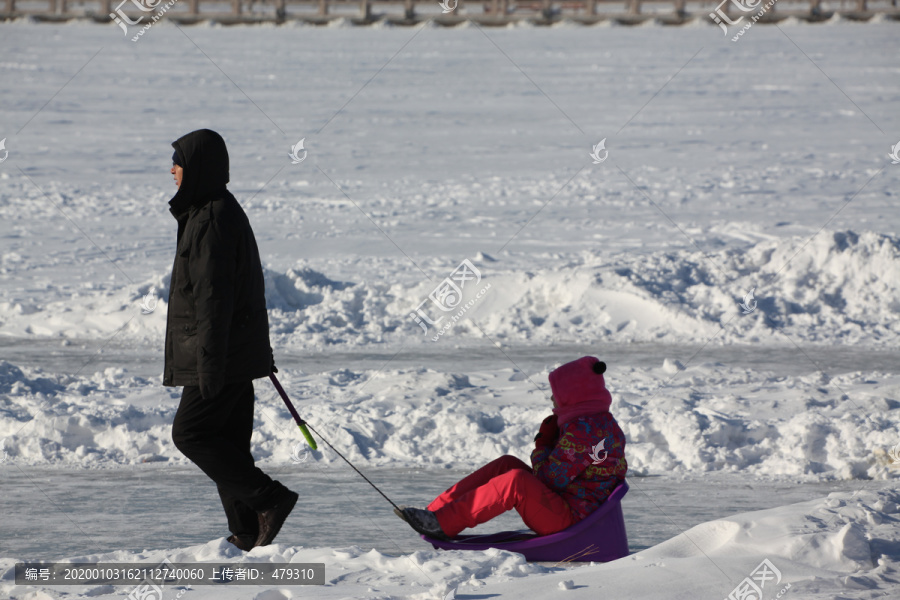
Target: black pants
[215, 434]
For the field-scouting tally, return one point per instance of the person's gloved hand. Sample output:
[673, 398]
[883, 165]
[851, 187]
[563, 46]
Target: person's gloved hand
[211, 385]
[274, 368]
[548, 433]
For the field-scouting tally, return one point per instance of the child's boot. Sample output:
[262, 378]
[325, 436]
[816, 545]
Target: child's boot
[423, 521]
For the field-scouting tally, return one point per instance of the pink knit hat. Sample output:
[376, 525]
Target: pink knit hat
[579, 389]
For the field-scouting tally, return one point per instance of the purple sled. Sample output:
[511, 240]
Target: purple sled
[599, 537]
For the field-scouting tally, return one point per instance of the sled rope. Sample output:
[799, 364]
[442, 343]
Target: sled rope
[312, 443]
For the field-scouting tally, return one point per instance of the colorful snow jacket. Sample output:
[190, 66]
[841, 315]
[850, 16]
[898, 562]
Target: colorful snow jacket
[587, 463]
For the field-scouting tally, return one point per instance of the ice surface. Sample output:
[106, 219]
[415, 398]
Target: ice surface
[721, 184]
[842, 545]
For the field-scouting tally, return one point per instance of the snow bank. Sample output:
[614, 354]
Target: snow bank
[840, 287]
[839, 546]
[706, 418]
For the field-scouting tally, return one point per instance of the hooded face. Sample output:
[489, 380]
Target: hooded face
[178, 172]
[204, 166]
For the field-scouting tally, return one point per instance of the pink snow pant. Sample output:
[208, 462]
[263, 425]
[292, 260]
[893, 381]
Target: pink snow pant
[495, 488]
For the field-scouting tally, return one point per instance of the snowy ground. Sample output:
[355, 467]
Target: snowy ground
[761, 165]
[842, 546]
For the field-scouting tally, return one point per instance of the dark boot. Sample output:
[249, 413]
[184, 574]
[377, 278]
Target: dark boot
[270, 521]
[423, 521]
[244, 542]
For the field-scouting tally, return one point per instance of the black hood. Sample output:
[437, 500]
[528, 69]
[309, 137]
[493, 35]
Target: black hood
[205, 159]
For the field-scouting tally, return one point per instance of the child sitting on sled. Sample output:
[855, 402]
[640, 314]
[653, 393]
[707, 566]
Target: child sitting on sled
[577, 461]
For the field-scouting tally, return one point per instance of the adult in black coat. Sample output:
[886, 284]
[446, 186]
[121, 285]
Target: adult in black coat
[217, 339]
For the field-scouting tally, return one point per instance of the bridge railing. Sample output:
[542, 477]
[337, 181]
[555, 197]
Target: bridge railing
[414, 9]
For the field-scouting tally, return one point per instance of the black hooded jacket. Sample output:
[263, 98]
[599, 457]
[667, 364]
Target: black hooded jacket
[217, 328]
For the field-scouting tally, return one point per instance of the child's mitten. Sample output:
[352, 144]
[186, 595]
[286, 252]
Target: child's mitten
[548, 433]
